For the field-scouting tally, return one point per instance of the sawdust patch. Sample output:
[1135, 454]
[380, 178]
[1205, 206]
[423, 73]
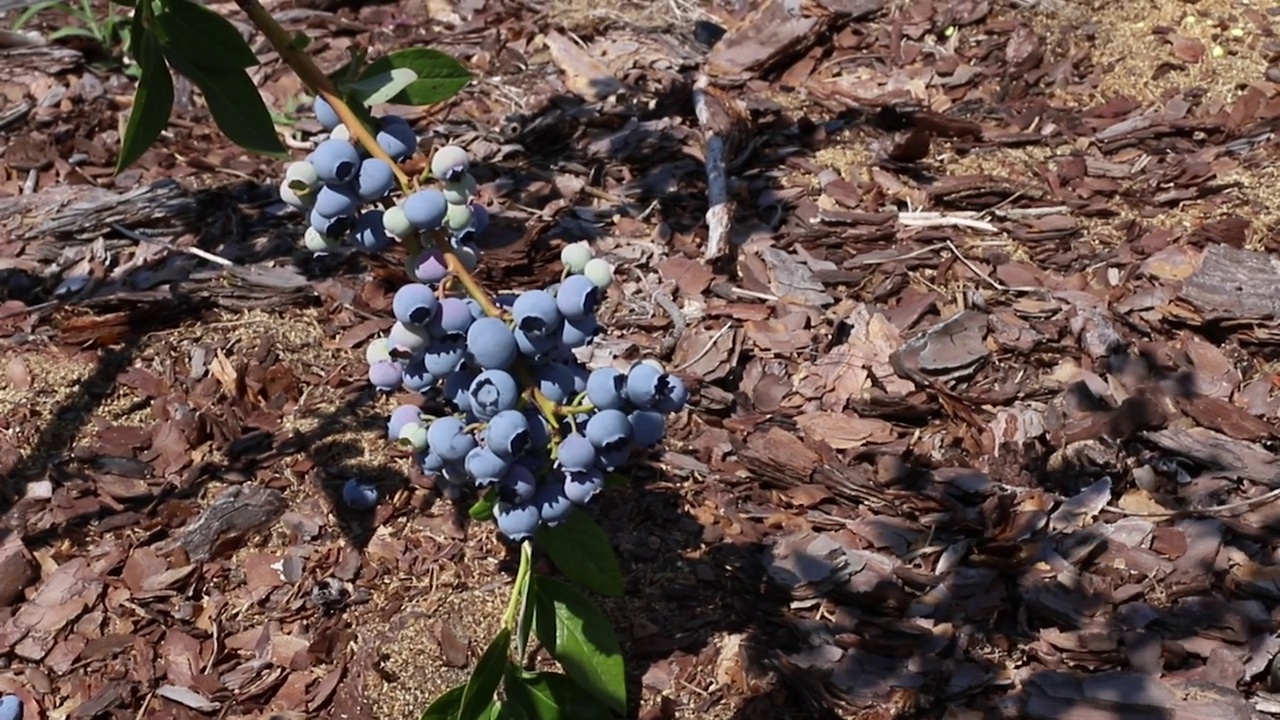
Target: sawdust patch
[1133, 60]
[471, 595]
[587, 16]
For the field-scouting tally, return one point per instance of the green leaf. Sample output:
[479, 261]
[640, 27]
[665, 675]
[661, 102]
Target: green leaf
[613, 480]
[301, 40]
[382, 87]
[203, 37]
[440, 76]
[72, 31]
[32, 11]
[485, 678]
[151, 104]
[446, 706]
[581, 550]
[236, 106]
[483, 509]
[551, 696]
[580, 638]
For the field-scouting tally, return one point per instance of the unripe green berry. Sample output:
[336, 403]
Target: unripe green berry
[396, 222]
[317, 242]
[458, 217]
[378, 351]
[413, 435]
[575, 256]
[600, 272]
[449, 159]
[460, 192]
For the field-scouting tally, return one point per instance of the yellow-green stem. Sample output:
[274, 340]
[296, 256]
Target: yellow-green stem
[315, 79]
[520, 590]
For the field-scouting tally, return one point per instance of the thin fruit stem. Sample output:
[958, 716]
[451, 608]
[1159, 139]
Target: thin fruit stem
[315, 79]
[319, 83]
[515, 606]
[463, 276]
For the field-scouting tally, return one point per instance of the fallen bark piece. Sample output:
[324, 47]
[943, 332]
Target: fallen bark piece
[238, 512]
[1129, 695]
[17, 568]
[1226, 456]
[585, 76]
[62, 597]
[1235, 287]
[188, 697]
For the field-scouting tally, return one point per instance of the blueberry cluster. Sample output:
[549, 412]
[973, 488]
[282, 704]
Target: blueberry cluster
[346, 192]
[529, 421]
[526, 423]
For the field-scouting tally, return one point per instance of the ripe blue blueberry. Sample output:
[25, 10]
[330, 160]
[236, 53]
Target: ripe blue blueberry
[334, 227]
[647, 427]
[517, 521]
[609, 429]
[359, 494]
[336, 161]
[577, 296]
[491, 343]
[518, 484]
[385, 375]
[457, 389]
[416, 377]
[448, 438]
[645, 384]
[11, 705]
[445, 357]
[555, 380]
[374, 180]
[426, 209]
[577, 332]
[580, 487]
[325, 113]
[492, 392]
[508, 433]
[675, 397]
[455, 317]
[553, 504]
[576, 453]
[485, 466]
[401, 416]
[605, 389]
[396, 137]
[432, 463]
[415, 304]
[336, 200]
[370, 233]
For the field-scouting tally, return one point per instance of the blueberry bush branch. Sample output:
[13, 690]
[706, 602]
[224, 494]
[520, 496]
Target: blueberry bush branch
[506, 417]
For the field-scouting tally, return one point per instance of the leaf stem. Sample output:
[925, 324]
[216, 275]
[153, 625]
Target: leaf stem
[520, 592]
[315, 79]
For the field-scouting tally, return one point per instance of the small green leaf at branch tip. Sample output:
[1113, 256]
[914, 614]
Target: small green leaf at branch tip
[485, 679]
[203, 37]
[551, 696]
[446, 706]
[151, 105]
[579, 636]
[439, 76]
[581, 550]
[483, 509]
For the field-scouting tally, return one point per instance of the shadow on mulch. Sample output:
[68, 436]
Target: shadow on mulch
[931, 642]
